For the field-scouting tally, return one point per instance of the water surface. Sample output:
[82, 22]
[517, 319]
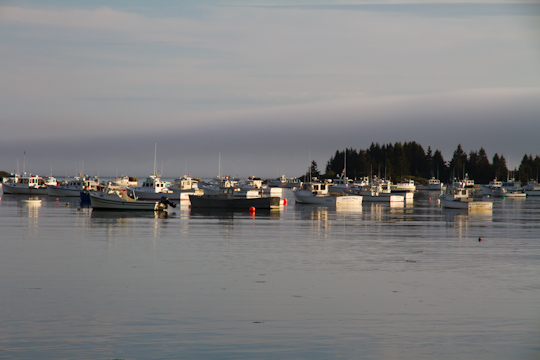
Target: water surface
[305, 282]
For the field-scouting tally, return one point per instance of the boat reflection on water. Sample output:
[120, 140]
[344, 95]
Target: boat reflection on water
[462, 217]
[125, 214]
[220, 213]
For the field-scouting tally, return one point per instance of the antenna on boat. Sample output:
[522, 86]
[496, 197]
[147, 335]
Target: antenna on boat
[155, 153]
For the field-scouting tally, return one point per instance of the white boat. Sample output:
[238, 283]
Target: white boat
[434, 184]
[74, 187]
[218, 183]
[318, 193]
[119, 200]
[340, 185]
[31, 201]
[154, 189]
[184, 184]
[404, 185]
[460, 196]
[284, 182]
[490, 188]
[28, 185]
[375, 193]
[509, 189]
[532, 188]
[125, 181]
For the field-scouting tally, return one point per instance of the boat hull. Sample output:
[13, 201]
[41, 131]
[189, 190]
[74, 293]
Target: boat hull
[468, 205]
[384, 199]
[63, 191]
[21, 190]
[328, 200]
[106, 202]
[217, 202]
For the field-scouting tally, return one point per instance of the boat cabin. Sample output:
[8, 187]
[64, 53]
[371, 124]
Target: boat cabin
[316, 188]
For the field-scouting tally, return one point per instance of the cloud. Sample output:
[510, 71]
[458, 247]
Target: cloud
[268, 142]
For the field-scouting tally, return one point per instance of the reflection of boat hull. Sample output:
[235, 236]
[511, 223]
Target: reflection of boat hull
[219, 202]
[467, 204]
[328, 199]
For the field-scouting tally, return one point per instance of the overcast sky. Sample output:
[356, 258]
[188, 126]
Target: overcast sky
[263, 86]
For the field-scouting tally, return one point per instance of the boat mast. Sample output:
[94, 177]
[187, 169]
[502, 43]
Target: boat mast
[219, 166]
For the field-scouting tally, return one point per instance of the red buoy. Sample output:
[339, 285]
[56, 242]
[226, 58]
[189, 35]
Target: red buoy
[252, 209]
[284, 202]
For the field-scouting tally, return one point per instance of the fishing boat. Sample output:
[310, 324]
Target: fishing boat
[434, 184]
[493, 186]
[153, 188]
[74, 187]
[284, 182]
[125, 181]
[25, 184]
[375, 193]
[119, 200]
[461, 196]
[318, 193]
[406, 185]
[532, 188]
[510, 188]
[185, 184]
[226, 199]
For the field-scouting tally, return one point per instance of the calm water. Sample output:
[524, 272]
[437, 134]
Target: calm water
[306, 282]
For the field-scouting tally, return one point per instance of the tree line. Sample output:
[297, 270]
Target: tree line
[408, 160]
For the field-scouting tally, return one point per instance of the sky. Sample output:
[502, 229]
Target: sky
[260, 87]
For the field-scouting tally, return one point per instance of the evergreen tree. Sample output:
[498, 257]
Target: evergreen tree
[483, 174]
[498, 167]
[313, 171]
[457, 164]
[440, 166]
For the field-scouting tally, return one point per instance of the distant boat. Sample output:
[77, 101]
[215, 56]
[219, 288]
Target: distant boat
[31, 201]
[435, 184]
[153, 188]
[125, 181]
[119, 200]
[185, 184]
[318, 193]
[532, 188]
[226, 199]
[375, 193]
[490, 188]
[461, 196]
[284, 182]
[26, 185]
[74, 187]
[404, 185]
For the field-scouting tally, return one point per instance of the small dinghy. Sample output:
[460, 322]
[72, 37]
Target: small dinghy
[31, 201]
